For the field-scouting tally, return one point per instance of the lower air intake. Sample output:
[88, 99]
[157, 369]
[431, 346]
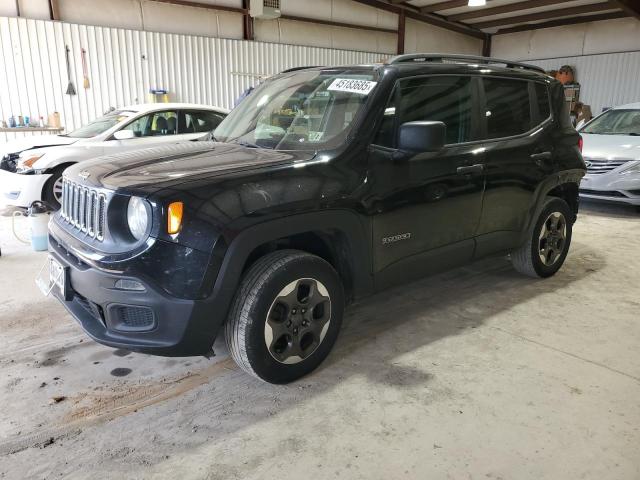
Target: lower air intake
[131, 319]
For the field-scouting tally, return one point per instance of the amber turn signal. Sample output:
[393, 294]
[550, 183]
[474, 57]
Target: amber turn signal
[174, 217]
[30, 161]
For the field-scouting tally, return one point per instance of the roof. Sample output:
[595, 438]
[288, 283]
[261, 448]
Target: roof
[508, 16]
[456, 64]
[150, 107]
[466, 69]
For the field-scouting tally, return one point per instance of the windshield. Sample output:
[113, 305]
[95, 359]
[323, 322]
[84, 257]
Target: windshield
[615, 122]
[307, 110]
[101, 125]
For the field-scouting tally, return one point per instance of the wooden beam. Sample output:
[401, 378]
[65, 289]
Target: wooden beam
[630, 7]
[425, 18]
[186, 3]
[247, 22]
[401, 32]
[533, 17]
[54, 10]
[486, 46]
[336, 24]
[512, 7]
[562, 22]
[442, 23]
[436, 7]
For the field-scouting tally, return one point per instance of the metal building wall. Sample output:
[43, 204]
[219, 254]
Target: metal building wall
[124, 64]
[607, 80]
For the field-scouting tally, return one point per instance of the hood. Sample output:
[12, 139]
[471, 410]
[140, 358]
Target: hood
[610, 147]
[36, 141]
[156, 168]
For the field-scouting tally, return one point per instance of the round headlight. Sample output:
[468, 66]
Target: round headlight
[137, 217]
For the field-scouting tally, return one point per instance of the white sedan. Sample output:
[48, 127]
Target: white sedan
[31, 168]
[611, 151]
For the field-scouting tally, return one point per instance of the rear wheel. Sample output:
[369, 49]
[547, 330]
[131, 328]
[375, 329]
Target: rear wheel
[548, 244]
[286, 316]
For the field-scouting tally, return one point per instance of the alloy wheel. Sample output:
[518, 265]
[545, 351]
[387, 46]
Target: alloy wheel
[298, 320]
[553, 238]
[57, 190]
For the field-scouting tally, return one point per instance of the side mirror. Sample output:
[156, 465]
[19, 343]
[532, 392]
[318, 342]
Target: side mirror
[124, 135]
[422, 136]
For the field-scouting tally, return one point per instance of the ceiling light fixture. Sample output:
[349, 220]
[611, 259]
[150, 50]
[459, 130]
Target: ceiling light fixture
[477, 3]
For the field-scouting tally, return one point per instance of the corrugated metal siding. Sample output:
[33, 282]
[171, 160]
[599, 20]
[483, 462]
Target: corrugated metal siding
[124, 64]
[606, 80]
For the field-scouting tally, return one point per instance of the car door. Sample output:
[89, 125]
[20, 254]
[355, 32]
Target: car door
[425, 206]
[155, 128]
[518, 156]
[195, 124]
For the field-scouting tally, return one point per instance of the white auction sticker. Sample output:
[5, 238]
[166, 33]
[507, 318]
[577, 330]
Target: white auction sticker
[363, 87]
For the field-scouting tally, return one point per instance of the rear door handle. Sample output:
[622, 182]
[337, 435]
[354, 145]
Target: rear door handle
[471, 169]
[541, 157]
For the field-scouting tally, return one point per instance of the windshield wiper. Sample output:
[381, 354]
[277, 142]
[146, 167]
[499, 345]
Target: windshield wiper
[634, 134]
[247, 144]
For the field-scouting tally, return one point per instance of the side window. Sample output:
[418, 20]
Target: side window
[542, 99]
[443, 99]
[194, 121]
[154, 124]
[386, 133]
[508, 110]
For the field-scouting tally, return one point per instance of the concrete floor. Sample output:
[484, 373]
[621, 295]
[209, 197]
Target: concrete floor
[475, 373]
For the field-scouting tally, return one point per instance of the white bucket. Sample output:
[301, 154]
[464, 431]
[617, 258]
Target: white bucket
[39, 231]
[38, 226]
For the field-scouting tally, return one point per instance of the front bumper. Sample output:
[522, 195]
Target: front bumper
[612, 187]
[21, 190]
[149, 321]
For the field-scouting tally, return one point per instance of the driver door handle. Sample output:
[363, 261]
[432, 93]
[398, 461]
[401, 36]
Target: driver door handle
[471, 169]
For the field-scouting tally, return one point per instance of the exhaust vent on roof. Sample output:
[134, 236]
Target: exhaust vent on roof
[265, 9]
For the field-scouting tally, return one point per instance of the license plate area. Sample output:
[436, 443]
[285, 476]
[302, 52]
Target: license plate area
[53, 276]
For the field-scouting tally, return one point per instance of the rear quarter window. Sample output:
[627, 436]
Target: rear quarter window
[508, 108]
[542, 101]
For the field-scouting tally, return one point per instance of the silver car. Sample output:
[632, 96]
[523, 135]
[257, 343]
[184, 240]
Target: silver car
[611, 151]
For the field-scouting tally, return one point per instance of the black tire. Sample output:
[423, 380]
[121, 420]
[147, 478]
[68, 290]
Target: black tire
[527, 259]
[246, 327]
[47, 191]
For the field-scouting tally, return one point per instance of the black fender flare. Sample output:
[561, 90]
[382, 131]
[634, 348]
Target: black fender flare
[229, 276]
[560, 178]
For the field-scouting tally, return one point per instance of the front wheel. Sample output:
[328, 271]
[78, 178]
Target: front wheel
[286, 316]
[52, 191]
[548, 244]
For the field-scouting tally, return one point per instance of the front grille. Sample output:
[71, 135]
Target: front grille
[603, 193]
[9, 162]
[603, 166]
[84, 208]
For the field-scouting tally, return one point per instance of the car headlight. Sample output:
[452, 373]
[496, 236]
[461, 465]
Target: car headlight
[634, 168]
[137, 217]
[27, 164]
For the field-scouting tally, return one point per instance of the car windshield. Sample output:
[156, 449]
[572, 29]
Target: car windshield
[101, 125]
[615, 122]
[305, 110]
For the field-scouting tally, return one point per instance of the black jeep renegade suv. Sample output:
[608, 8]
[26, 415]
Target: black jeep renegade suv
[323, 186]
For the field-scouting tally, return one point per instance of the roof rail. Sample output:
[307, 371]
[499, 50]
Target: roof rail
[441, 57]
[295, 69]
